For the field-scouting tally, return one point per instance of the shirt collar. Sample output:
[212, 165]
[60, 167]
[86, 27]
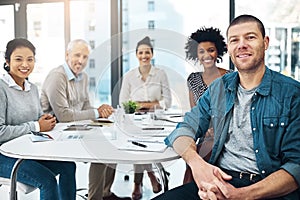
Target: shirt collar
[70, 74]
[263, 88]
[12, 84]
[138, 74]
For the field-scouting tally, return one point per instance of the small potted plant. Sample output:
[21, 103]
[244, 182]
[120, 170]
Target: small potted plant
[130, 106]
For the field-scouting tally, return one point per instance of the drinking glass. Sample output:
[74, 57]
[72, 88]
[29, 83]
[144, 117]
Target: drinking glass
[158, 112]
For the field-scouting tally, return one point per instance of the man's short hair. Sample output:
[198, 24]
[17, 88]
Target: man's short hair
[247, 18]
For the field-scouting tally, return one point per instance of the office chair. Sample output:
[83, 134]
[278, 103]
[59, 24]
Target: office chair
[26, 189]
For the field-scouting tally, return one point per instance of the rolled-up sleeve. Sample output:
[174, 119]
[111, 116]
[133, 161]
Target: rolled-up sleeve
[292, 169]
[195, 123]
[180, 131]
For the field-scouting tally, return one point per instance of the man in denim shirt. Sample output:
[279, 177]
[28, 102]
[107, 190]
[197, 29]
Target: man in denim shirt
[254, 114]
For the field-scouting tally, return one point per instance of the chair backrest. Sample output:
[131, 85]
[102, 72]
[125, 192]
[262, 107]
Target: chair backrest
[20, 186]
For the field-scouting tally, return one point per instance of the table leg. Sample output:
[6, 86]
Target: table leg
[13, 179]
[163, 176]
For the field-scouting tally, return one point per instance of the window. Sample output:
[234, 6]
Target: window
[92, 44]
[281, 22]
[153, 61]
[37, 26]
[151, 24]
[92, 26]
[46, 31]
[168, 24]
[90, 20]
[92, 63]
[92, 82]
[153, 42]
[6, 23]
[151, 5]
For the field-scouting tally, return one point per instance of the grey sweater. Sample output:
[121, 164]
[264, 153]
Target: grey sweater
[67, 99]
[18, 111]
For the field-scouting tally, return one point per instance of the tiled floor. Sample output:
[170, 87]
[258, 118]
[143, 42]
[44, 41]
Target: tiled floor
[120, 187]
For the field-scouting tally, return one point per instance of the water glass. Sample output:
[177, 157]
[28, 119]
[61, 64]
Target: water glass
[119, 115]
[158, 112]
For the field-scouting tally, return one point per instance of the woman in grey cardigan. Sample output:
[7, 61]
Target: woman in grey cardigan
[20, 114]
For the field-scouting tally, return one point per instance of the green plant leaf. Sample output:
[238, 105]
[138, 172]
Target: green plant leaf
[130, 106]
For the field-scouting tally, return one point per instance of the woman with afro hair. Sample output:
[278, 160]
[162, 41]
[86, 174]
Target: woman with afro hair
[206, 46]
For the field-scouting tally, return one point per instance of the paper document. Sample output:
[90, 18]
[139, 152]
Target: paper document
[73, 136]
[37, 138]
[103, 120]
[77, 127]
[172, 119]
[150, 145]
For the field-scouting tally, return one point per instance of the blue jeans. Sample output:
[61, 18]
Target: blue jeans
[42, 175]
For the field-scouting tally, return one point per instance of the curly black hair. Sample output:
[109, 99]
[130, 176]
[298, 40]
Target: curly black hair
[204, 34]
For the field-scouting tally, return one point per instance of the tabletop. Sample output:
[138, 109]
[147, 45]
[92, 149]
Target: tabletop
[96, 144]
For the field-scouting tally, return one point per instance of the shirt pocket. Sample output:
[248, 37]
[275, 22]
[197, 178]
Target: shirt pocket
[275, 122]
[273, 131]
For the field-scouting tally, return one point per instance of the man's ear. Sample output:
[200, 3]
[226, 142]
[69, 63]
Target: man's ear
[266, 42]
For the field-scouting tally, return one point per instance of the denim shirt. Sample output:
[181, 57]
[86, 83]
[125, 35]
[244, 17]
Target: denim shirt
[274, 114]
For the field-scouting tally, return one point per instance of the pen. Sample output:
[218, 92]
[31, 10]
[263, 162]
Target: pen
[153, 128]
[139, 144]
[98, 125]
[41, 134]
[175, 116]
